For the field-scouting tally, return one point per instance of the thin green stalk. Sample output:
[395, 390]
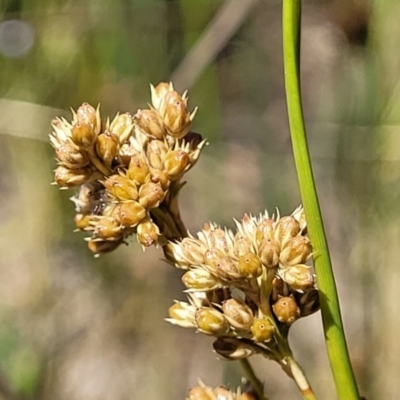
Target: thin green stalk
[331, 317]
[252, 378]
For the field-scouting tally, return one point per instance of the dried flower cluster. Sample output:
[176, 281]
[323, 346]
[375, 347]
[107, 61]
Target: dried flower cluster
[246, 288]
[128, 170]
[203, 392]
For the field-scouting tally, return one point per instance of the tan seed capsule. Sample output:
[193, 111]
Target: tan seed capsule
[286, 228]
[160, 177]
[249, 265]
[82, 221]
[211, 321]
[175, 115]
[297, 250]
[182, 314]
[299, 277]
[122, 126]
[150, 122]
[241, 245]
[199, 393]
[107, 228]
[175, 163]
[158, 93]
[72, 177]
[151, 195]
[200, 279]
[147, 233]
[269, 253]
[87, 114]
[194, 251]
[263, 330]
[71, 157]
[103, 246]
[286, 310]
[212, 257]
[83, 135]
[121, 187]
[138, 169]
[218, 238]
[265, 230]
[156, 152]
[238, 314]
[131, 213]
[107, 146]
[227, 268]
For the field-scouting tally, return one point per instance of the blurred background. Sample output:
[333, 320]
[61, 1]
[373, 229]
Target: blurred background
[76, 327]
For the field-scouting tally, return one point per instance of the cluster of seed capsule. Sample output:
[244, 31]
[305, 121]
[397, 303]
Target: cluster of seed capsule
[242, 286]
[125, 169]
[203, 392]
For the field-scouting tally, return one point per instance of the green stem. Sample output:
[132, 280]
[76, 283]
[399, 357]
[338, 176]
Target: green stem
[332, 321]
[251, 377]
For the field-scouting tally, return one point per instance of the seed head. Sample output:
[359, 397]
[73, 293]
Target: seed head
[286, 310]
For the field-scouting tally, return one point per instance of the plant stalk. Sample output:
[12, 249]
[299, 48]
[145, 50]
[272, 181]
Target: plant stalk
[331, 316]
[252, 378]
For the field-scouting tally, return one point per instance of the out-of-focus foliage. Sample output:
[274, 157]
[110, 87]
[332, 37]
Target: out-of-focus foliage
[74, 327]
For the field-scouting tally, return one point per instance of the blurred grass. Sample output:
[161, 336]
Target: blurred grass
[76, 327]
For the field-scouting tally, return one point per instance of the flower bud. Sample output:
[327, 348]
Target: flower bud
[200, 393]
[83, 135]
[82, 221]
[122, 126]
[217, 237]
[160, 177]
[211, 321]
[262, 329]
[70, 156]
[212, 257]
[269, 252]
[241, 245]
[175, 115]
[158, 93]
[265, 229]
[87, 114]
[249, 266]
[107, 228]
[156, 152]
[103, 246]
[107, 146]
[296, 251]
[182, 314]
[121, 187]
[138, 169]
[232, 348]
[286, 228]
[131, 213]
[227, 268]
[200, 279]
[300, 216]
[286, 310]
[150, 122]
[175, 163]
[221, 392]
[238, 314]
[72, 177]
[151, 195]
[147, 233]
[193, 250]
[298, 277]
